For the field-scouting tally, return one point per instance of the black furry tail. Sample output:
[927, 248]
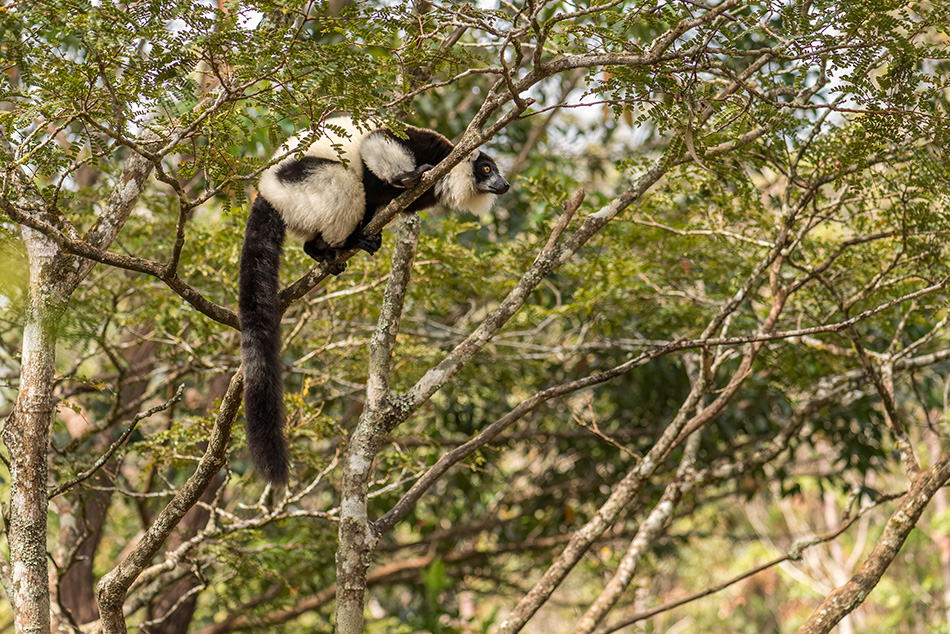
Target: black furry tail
[259, 308]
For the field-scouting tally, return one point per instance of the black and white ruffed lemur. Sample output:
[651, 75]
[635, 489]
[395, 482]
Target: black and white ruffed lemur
[327, 202]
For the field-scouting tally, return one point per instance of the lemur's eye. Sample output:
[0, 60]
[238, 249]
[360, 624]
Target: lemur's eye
[486, 169]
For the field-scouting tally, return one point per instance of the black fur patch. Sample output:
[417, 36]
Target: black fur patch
[297, 171]
[379, 193]
[484, 167]
[426, 146]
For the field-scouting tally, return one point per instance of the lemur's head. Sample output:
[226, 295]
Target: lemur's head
[472, 184]
[488, 180]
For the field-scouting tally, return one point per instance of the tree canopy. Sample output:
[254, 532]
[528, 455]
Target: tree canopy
[691, 371]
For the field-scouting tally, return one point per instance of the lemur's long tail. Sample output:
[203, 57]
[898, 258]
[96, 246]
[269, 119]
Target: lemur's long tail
[259, 308]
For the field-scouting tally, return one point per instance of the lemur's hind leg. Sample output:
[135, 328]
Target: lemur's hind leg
[319, 250]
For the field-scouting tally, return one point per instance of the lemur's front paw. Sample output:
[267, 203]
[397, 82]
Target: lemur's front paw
[335, 268]
[370, 242]
[408, 180]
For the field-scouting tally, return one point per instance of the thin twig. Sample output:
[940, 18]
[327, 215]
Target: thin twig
[66, 486]
[793, 555]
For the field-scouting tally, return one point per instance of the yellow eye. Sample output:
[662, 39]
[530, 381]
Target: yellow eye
[486, 169]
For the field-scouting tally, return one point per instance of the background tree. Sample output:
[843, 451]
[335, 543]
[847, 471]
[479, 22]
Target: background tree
[700, 348]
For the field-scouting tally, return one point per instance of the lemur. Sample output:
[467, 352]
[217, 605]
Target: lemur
[326, 197]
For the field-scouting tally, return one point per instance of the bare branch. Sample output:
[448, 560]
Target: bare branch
[546, 262]
[111, 589]
[650, 528]
[484, 437]
[794, 555]
[66, 486]
[356, 540]
[844, 599]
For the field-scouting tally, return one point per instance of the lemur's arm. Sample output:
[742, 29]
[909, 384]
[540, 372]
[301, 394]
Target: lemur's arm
[408, 180]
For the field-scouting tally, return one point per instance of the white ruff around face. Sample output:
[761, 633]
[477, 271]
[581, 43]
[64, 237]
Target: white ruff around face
[457, 189]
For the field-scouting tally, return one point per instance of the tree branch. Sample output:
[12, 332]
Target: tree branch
[357, 542]
[112, 588]
[844, 599]
[650, 528]
[66, 486]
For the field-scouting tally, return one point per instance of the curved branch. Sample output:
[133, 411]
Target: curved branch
[163, 272]
[66, 486]
[844, 599]
[112, 588]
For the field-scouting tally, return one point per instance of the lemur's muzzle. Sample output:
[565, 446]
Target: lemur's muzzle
[497, 185]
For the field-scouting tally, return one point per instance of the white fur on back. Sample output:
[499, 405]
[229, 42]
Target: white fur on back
[457, 189]
[386, 157]
[331, 199]
[346, 146]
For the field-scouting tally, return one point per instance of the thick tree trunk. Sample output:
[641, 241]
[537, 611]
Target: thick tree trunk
[54, 275]
[26, 435]
[357, 539]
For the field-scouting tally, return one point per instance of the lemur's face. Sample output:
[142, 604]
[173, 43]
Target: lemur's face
[487, 178]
